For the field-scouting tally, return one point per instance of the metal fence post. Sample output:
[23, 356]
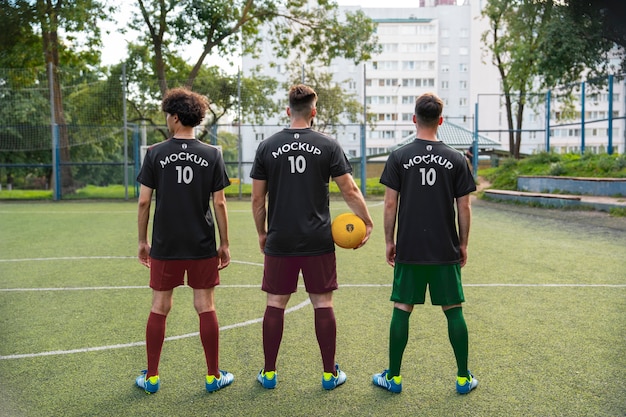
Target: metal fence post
[548, 97]
[363, 132]
[56, 172]
[475, 142]
[610, 130]
[582, 118]
[125, 131]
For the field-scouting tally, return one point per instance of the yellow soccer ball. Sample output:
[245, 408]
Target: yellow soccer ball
[348, 230]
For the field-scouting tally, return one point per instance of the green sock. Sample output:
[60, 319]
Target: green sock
[457, 331]
[398, 337]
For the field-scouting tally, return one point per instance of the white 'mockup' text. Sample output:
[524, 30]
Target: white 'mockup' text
[184, 157]
[427, 160]
[296, 146]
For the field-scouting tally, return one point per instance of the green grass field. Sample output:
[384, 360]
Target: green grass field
[546, 311]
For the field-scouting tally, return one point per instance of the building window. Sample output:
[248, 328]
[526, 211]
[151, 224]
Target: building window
[259, 137]
[408, 65]
[444, 85]
[390, 47]
[390, 65]
[408, 30]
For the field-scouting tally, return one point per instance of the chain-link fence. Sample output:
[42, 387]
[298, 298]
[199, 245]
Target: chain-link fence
[586, 117]
[64, 131]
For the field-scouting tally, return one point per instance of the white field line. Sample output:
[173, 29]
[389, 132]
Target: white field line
[142, 343]
[378, 203]
[145, 287]
[223, 328]
[83, 258]
[66, 258]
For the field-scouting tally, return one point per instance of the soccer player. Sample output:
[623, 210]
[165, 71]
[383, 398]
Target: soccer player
[185, 173]
[423, 181]
[292, 169]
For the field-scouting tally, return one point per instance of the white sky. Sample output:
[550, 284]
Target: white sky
[114, 44]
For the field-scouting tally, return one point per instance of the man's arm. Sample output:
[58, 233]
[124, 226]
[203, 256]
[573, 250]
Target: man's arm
[353, 197]
[143, 217]
[221, 218]
[259, 211]
[389, 224]
[464, 213]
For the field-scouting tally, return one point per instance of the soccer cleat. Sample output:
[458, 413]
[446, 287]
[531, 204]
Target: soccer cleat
[267, 379]
[393, 384]
[149, 385]
[213, 384]
[465, 385]
[330, 381]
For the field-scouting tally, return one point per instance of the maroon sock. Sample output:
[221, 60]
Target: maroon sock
[273, 324]
[155, 334]
[326, 332]
[210, 336]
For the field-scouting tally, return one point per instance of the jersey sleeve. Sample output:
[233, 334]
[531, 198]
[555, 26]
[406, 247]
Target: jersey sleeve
[258, 171]
[146, 174]
[390, 176]
[339, 162]
[464, 182]
[220, 175]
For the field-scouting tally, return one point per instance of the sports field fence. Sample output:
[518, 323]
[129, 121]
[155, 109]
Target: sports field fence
[63, 130]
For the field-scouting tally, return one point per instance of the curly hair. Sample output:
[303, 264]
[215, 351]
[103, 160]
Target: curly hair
[190, 107]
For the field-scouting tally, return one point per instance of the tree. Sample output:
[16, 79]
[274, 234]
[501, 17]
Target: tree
[536, 45]
[570, 48]
[608, 15]
[225, 27]
[67, 33]
[516, 26]
[220, 88]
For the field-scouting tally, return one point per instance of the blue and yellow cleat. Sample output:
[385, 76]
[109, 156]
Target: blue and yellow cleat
[149, 385]
[213, 384]
[267, 379]
[332, 381]
[393, 384]
[465, 385]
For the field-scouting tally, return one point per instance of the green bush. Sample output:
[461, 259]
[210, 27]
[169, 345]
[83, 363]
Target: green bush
[549, 163]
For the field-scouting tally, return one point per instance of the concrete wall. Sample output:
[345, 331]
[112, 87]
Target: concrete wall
[573, 185]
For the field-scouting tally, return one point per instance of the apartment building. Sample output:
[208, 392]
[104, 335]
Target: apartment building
[434, 47]
[437, 47]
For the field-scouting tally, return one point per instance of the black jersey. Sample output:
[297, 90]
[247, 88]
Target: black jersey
[184, 174]
[429, 177]
[297, 165]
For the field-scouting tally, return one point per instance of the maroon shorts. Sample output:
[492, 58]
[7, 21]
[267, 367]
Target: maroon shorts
[168, 274]
[280, 274]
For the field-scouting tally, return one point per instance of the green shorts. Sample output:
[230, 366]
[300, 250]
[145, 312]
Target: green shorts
[443, 281]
